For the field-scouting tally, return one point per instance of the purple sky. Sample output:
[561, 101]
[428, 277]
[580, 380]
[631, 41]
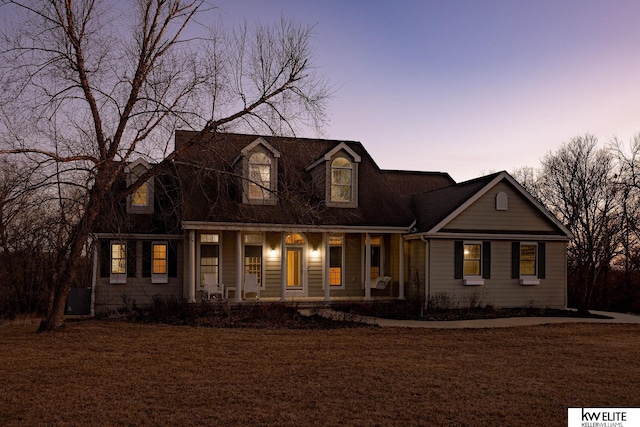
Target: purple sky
[470, 86]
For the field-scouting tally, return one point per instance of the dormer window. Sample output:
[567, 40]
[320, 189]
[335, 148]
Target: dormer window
[259, 177]
[336, 175]
[141, 196]
[341, 180]
[141, 200]
[258, 166]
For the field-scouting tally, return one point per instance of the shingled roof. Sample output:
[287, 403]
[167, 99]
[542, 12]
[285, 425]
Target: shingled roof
[434, 206]
[211, 187]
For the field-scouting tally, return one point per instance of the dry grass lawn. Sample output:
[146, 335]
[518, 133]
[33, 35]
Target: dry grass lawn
[122, 374]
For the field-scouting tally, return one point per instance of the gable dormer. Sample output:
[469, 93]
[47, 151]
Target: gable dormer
[258, 167]
[340, 176]
[141, 201]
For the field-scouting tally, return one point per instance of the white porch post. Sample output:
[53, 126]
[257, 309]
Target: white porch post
[401, 267]
[94, 277]
[283, 269]
[191, 291]
[327, 256]
[367, 267]
[426, 273]
[239, 265]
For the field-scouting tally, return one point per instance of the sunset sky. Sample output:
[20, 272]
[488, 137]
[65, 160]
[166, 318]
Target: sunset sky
[469, 86]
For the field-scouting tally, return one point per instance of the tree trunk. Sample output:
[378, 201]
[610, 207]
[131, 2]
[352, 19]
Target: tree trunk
[67, 270]
[69, 263]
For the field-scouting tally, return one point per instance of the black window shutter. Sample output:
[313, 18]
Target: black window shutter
[146, 259]
[172, 259]
[542, 260]
[486, 260]
[131, 258]
[515, 260]
[105, 258]
[458, 264]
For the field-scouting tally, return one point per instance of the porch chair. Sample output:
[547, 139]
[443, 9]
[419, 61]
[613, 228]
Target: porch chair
[380, 283]
[251, 285]
[211, 287]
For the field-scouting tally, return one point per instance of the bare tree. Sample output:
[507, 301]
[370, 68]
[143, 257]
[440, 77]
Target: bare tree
[628, 156]
[579, 184]
[86, 88]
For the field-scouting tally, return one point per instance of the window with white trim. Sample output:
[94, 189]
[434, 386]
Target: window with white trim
[253, 256]
[502, 201]
[528, 262]
[377, 257]
[140, 197]
[159, 262]
[118, 271]
[341, 180]
[528, 259]
[209, 256]
[260, 177]
[473, 259]
[336, 260]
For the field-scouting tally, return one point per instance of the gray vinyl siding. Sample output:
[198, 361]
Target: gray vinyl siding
[415, 268]
[353, 267]
[500, 290]
[228, 258]
[521, 215]
[314, 264]
[271, 266]
[137, 290]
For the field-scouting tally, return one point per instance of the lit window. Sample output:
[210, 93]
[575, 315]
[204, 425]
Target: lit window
[472, 260]
[294, 239]
[335, 260]
[118, 258]
[140, 197]
[528, 259]
[159, 258]
[259, 176]
[341, 180]
[376, 257]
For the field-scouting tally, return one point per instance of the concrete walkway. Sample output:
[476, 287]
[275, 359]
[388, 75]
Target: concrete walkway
[484, 323]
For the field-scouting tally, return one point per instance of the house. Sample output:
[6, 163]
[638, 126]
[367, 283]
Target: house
[292, 219]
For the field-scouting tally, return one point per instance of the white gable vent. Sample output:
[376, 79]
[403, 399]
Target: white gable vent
[502, 201]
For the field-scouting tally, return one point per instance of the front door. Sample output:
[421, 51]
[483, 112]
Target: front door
[294, 268]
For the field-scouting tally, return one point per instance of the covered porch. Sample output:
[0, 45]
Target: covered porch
[293, 264]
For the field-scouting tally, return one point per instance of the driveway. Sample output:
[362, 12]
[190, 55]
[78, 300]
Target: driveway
[487, 323]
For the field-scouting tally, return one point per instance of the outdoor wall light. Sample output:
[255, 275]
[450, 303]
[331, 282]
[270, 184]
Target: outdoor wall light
[272, 252]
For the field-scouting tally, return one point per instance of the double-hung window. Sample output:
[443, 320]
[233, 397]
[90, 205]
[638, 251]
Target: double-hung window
[528, 261]
[209, 257]
[336, 260]
[473, 259]
[341, 180]
[259, 177]
[472, 262]
[159, 262]
[140, 197]
[118, 273]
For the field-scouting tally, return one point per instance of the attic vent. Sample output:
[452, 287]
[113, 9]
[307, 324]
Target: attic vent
[502, 201]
